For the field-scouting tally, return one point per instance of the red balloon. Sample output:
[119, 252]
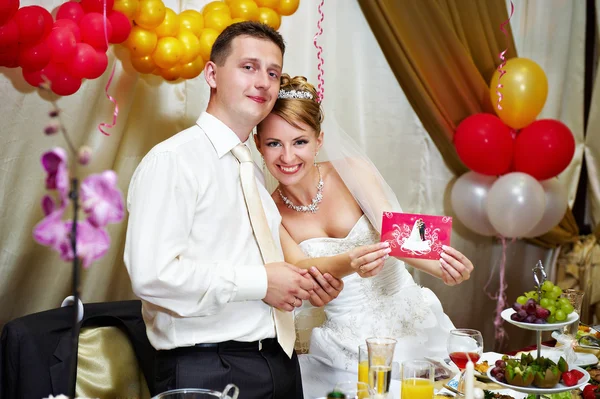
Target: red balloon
[69, 24]
[64, 84]
[544, 149]
[10, 57]
[83, 62]
[8, 8]
[100, 66]
[35, 23]
[9, 35]
[33, 78]
[62, 44]
[121, 27]
[71, 11]
[484, 144]
[92, 30]
[97, 6]
[36, 57]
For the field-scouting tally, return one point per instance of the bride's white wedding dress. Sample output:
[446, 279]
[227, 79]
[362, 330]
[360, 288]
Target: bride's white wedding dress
[390, 304]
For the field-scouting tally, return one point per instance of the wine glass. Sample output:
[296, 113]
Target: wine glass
[464, 344]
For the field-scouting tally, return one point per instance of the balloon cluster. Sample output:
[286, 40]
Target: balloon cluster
[64, 51]
[176, 46]
[511, 190]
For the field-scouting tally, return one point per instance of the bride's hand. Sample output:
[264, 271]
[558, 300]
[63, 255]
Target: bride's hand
[368, 260]
[327, 288]
[456, 267]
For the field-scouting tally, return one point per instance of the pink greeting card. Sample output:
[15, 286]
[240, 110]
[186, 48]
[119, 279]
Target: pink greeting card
[416, 236]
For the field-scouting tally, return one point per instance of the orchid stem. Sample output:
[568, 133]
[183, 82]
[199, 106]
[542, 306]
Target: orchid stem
[75, 328]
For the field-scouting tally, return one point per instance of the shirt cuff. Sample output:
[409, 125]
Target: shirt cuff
[251, 283]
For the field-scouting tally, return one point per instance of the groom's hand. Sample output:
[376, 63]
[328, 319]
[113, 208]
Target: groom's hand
[287, 286]
[327, 287]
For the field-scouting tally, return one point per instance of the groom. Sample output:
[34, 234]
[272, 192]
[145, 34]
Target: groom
[194, 256]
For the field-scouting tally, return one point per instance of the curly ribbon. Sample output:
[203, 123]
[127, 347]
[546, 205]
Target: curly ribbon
[500, 298]
[321, 87]
[112, 74]
[501, 55]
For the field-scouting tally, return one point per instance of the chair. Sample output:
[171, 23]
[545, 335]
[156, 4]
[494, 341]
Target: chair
[115, 358]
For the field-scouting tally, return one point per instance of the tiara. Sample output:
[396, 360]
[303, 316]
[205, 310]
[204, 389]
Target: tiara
[295, 94]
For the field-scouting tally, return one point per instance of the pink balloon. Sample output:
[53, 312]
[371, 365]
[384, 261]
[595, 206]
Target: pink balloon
[69, 24]
[64, 84]
[10, 57]
[71, 11]
[92, 30]
[62, 44]
[97, 6]
[8, 8]
[34, 22]
[121, 27]
[83, 61]
[36, 57]
[9, 34]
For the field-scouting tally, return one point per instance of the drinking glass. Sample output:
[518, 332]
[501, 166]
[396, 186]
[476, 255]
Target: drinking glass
[575, 298]
[464, 344]
[381, 355]
[417, 379]
[363, 364]
[353, 389]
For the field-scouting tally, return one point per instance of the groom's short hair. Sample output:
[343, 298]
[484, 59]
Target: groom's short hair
[222, 46]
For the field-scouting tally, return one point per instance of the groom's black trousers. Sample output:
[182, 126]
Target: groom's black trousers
[260, 370]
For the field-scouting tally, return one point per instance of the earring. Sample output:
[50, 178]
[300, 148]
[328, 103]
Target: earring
[263, 162]
[316, 154]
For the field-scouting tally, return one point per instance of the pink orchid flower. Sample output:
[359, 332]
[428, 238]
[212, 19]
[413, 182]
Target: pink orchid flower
[55, 164]
[51, 231]
[101, 199]
[92, 242]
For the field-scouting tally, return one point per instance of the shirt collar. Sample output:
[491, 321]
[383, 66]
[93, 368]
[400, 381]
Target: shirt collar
[220, 135]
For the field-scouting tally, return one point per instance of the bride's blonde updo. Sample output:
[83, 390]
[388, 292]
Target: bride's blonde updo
[294, 110]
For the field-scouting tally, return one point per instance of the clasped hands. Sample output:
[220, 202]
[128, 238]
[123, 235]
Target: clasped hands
[289, 285]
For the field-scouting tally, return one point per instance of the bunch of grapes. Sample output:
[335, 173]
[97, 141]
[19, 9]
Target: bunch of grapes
[556, 308]
[499, 369]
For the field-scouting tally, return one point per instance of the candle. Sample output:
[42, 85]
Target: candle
[469, 380]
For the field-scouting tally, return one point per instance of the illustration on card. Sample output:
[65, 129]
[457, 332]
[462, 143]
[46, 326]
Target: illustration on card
[416, 236]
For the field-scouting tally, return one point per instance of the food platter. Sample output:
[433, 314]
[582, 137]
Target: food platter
[558, 388]
[506, 313]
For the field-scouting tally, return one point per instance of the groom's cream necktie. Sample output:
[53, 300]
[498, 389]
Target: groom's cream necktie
[284, 321]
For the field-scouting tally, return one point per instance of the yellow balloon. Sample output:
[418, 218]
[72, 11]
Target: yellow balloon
[127, 7]
[207, 39]
[172, 73]
[287, 7]
[169, 26]
[191, 20]
[150, 14]
[143, 64]
[268, 3]
[524, 91]
[168, 52]
[141, 42]
[244, 9]
[192, 69]
[269, 17]
[236, 20]
[217, 20]
[215, 6]
[191, 46]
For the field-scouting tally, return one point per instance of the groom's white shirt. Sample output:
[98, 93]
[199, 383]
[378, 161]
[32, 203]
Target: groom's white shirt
[190, 250]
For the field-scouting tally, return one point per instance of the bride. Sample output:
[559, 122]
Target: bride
[330, 208]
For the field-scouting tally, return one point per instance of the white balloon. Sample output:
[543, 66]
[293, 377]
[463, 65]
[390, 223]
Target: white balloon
[468, 199]
[515, 204]
[556, 206]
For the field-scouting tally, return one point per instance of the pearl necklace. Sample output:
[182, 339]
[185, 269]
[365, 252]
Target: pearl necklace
[313, 207]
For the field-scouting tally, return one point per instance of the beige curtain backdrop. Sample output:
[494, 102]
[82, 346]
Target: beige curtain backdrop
[360, 90]
[592, 144]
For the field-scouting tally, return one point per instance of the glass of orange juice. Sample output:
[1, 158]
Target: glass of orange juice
[417, 379]
[363, 364]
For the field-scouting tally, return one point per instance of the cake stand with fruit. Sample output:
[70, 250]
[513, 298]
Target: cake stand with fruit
[539, 311]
